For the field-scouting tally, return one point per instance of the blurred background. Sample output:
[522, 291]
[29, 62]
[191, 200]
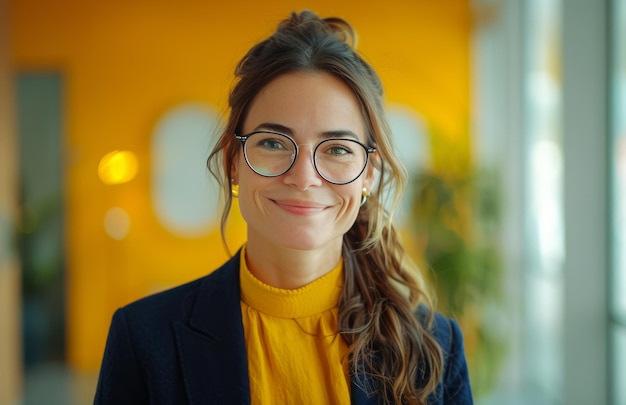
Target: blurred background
[509, 115]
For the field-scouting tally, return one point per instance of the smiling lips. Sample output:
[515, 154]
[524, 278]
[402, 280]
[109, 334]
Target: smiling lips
[301, 208]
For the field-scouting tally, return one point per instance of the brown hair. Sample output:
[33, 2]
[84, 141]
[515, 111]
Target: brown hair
[394, 350]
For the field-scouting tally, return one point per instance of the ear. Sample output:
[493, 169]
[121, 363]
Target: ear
[369, 177]
[234, 170]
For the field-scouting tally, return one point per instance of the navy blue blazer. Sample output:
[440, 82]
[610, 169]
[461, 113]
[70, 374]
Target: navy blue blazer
[186, 346]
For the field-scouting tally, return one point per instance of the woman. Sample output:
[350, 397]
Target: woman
[320, 305]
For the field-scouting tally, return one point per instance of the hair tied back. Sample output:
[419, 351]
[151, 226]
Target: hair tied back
[336, 26]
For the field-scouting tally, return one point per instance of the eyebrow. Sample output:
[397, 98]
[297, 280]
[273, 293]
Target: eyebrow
[339, 133]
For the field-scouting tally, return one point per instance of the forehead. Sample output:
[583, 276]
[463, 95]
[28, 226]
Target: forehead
[309, 104]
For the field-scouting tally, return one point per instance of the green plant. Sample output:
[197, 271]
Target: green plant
[455, 221]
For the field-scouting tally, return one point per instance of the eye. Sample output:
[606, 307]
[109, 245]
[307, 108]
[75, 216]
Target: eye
[271, 143]
[338, 148]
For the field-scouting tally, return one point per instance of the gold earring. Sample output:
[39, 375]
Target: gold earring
[234, 190]
[364, 195]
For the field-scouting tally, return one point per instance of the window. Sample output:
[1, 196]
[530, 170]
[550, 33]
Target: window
[543, 272]
[618, 279]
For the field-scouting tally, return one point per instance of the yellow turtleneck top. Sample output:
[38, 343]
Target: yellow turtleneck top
[295, 355]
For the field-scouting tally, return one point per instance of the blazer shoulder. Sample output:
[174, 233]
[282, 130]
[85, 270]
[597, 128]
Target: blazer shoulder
[164, 302]
[445, 330]
[455, 384]
[177, 302]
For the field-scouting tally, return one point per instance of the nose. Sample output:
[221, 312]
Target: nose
[303, 173]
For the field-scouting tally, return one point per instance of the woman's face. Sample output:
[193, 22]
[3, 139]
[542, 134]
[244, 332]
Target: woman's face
[300, 210]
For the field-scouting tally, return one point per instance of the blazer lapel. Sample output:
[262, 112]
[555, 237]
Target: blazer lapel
[212, 349]
[211, 343]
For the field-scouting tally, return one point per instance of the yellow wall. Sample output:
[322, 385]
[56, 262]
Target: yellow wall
[125, 63]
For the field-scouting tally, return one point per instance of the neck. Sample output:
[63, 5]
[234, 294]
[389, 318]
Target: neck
[287, 268]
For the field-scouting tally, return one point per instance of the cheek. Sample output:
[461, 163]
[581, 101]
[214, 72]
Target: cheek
[352, 200]
[246, 197]
[250, 187]
[248, 209]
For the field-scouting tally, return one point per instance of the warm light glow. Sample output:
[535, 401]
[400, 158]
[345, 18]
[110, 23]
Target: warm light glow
[117, 223]
[118, 167]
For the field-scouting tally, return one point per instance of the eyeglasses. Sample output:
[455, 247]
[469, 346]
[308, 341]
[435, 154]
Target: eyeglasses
[336, 160]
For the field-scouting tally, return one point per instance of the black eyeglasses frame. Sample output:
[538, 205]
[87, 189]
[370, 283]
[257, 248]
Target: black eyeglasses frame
[244, 138]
